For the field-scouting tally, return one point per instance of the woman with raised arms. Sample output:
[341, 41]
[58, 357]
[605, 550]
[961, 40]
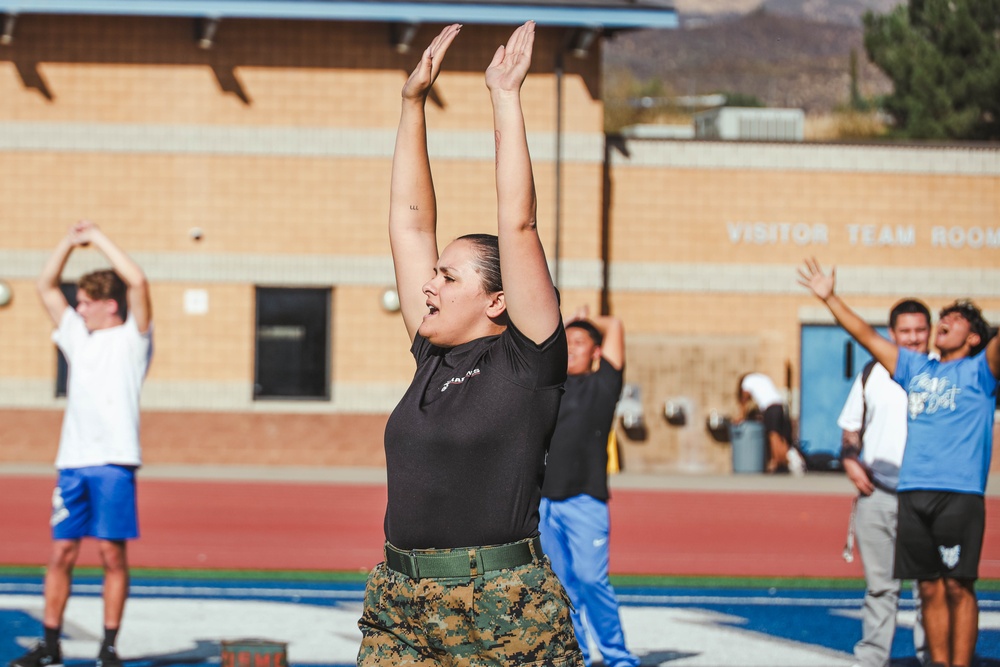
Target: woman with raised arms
[464, 581]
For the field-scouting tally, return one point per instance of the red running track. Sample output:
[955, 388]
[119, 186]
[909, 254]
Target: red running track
[313, 526]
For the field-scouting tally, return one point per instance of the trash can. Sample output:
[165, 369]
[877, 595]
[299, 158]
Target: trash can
[747, 439]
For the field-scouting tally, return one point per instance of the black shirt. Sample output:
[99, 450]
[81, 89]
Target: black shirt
[578, 457]
[465, 447]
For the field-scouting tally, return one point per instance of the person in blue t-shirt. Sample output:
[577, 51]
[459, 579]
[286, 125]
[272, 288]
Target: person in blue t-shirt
[942, 480]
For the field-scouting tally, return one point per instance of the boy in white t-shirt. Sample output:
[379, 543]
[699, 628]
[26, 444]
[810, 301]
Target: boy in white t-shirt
[874, 423]
[107, 342]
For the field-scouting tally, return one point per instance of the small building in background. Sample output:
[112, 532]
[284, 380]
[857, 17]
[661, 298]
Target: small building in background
[750, 124]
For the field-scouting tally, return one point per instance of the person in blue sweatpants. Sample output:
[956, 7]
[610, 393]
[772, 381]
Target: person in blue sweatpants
[574, 520]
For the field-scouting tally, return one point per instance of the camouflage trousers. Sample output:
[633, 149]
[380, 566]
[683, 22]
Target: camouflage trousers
[516, 616]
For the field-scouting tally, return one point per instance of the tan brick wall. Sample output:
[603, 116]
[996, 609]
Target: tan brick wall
[218, 346]
[697, 372]
[25, 348]
[214, 346]
[664, 214]
[32, 436]
[306, 73]
[243, 204]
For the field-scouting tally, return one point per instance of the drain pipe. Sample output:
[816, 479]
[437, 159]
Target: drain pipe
[557, 251]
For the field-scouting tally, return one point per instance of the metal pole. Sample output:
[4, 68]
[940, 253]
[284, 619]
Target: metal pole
[558, 167]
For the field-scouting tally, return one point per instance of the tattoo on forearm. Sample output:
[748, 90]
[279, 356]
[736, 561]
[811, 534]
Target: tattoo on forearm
[496, 141]
[414, 207]
[850, 444]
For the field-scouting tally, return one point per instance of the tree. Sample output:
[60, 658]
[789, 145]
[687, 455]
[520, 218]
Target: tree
[943, 57]
[742, 100]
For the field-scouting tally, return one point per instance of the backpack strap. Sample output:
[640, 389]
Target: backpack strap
[865, 372]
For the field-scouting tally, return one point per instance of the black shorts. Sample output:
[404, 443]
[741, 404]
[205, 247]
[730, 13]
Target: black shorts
[940, 535]
[776, 421]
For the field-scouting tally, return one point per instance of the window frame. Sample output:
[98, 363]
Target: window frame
[259, 389]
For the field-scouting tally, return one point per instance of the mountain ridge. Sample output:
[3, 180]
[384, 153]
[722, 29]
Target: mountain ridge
[847, 12]
[785, 53]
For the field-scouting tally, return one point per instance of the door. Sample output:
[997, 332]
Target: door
[830, 360]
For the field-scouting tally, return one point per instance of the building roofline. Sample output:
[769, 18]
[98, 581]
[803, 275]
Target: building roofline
[605, 16]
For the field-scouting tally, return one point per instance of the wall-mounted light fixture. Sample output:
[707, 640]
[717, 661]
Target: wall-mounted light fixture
[390, 300]
[206, 32]
[7, 36]
[581, 41]
[6, 293]
[401, 36]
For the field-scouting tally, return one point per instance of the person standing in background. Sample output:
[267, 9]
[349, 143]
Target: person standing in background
[108, 344]
[575, 523]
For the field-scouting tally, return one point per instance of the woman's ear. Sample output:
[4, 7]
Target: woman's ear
[595, 357]
[497, 306]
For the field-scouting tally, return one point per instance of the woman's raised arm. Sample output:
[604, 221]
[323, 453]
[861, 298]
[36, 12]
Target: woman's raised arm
[529, 295]
[412, 205]
[822, 286]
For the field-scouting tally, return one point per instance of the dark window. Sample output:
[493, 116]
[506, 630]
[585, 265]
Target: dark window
[62, 368]
[292, 358]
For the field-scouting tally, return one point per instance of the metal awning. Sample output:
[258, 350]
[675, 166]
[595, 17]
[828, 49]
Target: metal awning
[606, 15]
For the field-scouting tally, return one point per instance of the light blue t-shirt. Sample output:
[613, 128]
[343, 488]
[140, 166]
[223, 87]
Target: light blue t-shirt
[949, 437]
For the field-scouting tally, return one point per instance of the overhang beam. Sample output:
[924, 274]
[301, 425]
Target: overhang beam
[631, 15]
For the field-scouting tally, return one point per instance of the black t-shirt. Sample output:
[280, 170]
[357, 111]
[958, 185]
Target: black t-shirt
[578, 456]
[465, 447]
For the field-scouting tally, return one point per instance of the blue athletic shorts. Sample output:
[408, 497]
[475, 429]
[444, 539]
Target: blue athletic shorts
[98, 501]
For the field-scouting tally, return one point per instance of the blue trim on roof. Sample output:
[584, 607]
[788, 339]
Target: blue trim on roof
[415, 12]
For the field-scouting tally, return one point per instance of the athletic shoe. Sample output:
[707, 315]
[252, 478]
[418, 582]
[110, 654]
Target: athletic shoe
[109, 657]
[796, 464]
[40, 656]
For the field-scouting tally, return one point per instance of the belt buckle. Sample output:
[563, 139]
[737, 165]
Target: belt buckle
[533, 549]
[409, 562]
[473, 564]
[414, 564]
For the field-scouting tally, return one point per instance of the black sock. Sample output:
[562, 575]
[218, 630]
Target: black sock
[52, 638]
[110, 637]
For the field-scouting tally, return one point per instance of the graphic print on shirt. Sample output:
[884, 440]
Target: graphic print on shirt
[459, 380]
[927, 395]
[59, 511]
